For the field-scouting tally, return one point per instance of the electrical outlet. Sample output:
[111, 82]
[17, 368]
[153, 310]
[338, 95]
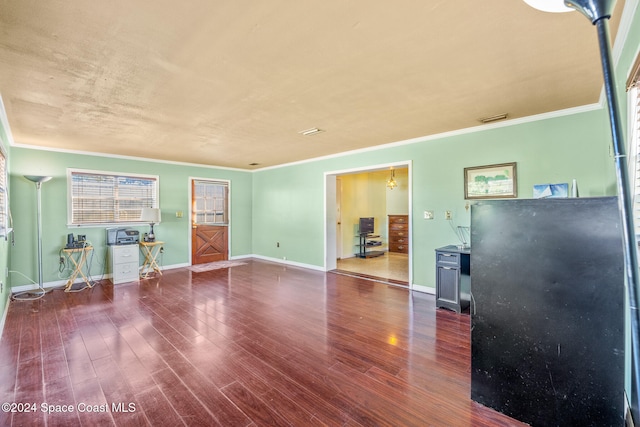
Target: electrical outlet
[161, 249]
[1, 287]
[428, 214]
[61, 260]
[447, 215]
[277, 244]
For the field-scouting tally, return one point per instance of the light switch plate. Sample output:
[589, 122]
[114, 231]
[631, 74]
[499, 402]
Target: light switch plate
[428, 214]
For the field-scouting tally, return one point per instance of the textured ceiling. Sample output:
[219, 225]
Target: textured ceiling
[229, 83]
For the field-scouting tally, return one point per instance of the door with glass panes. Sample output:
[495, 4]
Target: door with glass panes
[209, 221]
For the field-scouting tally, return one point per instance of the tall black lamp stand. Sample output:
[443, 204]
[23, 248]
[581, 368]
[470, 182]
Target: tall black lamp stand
[599, 12]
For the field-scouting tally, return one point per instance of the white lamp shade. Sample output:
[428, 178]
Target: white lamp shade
[150, 215]
[549, 5]
[37, 178]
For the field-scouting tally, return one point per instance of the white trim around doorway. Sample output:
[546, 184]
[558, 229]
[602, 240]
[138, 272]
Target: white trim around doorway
[330, 244]
[190, 212]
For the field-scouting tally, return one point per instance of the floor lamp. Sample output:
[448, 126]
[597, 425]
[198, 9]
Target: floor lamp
[599, 12]
[38, 180]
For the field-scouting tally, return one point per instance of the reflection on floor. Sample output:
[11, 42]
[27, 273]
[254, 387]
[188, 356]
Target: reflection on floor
[390, 267]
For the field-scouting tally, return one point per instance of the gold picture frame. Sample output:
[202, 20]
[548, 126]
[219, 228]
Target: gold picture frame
[491, 182]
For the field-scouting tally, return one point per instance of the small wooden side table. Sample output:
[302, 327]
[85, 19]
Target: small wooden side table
[77, 257]
[150, 250]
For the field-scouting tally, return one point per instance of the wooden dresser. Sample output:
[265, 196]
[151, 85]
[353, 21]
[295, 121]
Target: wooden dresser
[399, 233]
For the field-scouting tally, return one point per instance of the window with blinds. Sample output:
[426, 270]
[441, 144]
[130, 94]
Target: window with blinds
[4, 204]
[633, 86]
[105, 198]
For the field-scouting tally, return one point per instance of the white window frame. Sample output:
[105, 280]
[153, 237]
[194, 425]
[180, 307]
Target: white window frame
[155, 202]
[634, 149]
[633, 89]
[211, 208]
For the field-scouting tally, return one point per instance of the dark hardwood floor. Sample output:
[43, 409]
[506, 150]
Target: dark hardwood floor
[255, 345]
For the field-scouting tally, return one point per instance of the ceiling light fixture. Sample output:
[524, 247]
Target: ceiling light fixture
[391, 183]
[494, 118]
[549, 5]
[599, 12]
[311, 131]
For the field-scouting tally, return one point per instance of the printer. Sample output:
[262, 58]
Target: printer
[122, 236]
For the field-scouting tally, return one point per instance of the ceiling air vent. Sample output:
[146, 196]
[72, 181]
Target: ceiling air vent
[494, 118]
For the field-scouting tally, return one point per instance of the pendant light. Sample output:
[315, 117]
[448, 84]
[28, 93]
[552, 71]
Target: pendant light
[391, 183]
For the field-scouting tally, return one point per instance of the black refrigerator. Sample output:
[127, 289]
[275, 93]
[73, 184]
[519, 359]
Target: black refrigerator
[547, 310]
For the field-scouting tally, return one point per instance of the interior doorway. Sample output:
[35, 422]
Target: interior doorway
[355, 193]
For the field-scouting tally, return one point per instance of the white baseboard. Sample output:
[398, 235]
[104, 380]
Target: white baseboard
[283, 261]
[174, 266]
[61, 283]
[4, 317]
[47, 285]
[425, 289]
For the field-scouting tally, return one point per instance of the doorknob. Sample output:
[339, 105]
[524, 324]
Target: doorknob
[194, 226]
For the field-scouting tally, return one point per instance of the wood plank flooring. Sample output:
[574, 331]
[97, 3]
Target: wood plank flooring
[255, 345]
[391, 267]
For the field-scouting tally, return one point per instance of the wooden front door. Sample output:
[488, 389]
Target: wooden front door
[210, 222]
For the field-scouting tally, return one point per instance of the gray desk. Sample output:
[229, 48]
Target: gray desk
[453, 278]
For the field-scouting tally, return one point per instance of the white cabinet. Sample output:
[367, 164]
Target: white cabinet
[125, 263]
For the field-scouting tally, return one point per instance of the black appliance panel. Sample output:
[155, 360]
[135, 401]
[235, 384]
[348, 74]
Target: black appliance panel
[547, 283]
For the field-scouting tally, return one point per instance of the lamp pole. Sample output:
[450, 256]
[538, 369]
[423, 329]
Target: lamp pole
[599, 12]
[38, 180]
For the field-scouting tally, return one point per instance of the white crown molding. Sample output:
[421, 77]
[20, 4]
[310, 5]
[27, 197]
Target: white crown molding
[474, 129]
[121, 157]
[630, 7]
[5, 125]
[621, 36]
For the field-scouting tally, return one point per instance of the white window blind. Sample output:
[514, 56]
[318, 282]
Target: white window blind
[634, 144]
[104, 198]
[4, 205]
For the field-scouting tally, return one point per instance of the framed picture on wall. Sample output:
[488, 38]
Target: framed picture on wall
[491, 181]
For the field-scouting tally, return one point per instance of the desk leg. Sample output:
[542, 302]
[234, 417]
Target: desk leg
[73, 276]
[150, 265]
[77, 271]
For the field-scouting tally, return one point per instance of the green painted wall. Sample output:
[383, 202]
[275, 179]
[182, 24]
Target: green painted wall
[4, 244]
[398, 198]
[289, 201]
[174, 196]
